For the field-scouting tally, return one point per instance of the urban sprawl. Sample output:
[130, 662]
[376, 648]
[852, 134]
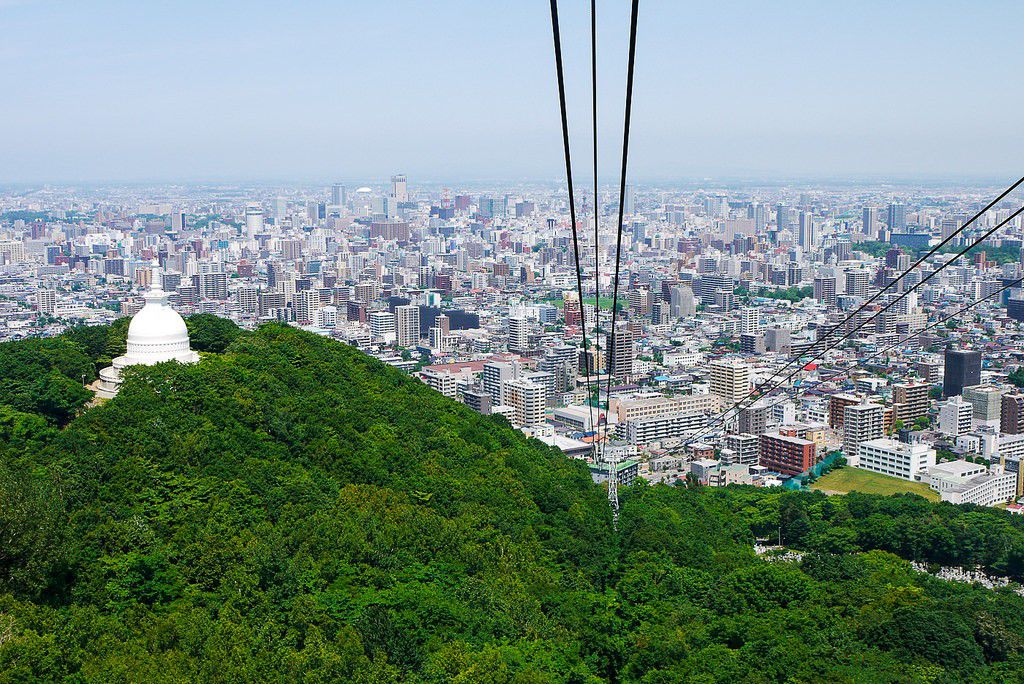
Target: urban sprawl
[733, 357]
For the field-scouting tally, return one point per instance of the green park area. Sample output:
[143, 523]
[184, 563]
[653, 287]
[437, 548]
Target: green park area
[846, 480]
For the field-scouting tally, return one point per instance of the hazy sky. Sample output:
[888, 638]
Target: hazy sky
[465, 89]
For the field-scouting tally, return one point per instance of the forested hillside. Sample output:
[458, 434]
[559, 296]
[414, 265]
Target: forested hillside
[290, 509]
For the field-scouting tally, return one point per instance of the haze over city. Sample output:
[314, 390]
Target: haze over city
[243, 91]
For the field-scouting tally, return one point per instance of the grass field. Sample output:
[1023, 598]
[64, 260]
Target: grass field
[845, 480]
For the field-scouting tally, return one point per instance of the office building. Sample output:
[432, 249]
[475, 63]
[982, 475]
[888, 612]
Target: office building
[963, 369]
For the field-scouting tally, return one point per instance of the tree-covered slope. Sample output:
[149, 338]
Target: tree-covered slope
[290, 509]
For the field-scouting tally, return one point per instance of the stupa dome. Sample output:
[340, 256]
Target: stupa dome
[156, 334]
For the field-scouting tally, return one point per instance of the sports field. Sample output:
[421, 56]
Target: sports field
[846, 480]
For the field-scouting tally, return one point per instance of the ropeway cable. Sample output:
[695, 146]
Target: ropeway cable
[888, 306]
[878, 294]
[863, 362]
[572, 198]
[613, 484]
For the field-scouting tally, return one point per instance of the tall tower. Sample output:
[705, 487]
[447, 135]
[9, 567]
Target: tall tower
[253, 220]
[338, 195]
[399, 189]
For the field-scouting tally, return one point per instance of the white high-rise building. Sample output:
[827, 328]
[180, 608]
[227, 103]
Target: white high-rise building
[750, 321]
[306, 304]
[955, 416]
[407, 325]
[518, 332]
[253, 220]
[495, 375]
[46, 301]
[382, 326]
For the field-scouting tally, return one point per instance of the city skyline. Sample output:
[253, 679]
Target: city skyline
[111, 92]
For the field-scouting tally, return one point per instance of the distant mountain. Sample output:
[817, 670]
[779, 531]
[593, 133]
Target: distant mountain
[289, 509]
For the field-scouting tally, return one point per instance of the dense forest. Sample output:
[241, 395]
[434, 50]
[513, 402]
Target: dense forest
[290, 509]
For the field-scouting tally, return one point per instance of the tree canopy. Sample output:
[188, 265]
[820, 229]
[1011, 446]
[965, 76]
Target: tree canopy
[290, 509]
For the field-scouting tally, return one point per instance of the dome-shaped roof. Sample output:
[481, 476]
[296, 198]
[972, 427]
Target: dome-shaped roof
[157, 322]
[157, 333]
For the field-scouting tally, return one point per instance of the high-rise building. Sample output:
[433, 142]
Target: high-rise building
[1012, 414]
[338, 195]
[730, 381]
[46, 301]
[857, 282]
[494, 377]
[528, 401]
[518, 332]
[787, 454]
[861, 422]
[869, 221]
[399, 188]
[753, 419]
[620, 352]
[407, 325]
[963, 369]
[571, 308]
[628, 203]
[382, 326]
[750, 321]
[306, 304]
[825, 290]
[253, 220]
[213, 285]
[955, 417]
[248, 299]
[682, 300]
[897, 217]
[439, 333]
[987, 402]
[807, 236]
[911, 401]
[741, 449]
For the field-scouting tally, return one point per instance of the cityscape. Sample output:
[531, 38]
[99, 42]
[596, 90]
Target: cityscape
[466, 342]
[474, 292]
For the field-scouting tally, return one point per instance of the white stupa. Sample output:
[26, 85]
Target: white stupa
[156, 334]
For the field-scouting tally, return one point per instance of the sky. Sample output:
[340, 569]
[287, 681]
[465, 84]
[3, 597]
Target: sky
[226, 90]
